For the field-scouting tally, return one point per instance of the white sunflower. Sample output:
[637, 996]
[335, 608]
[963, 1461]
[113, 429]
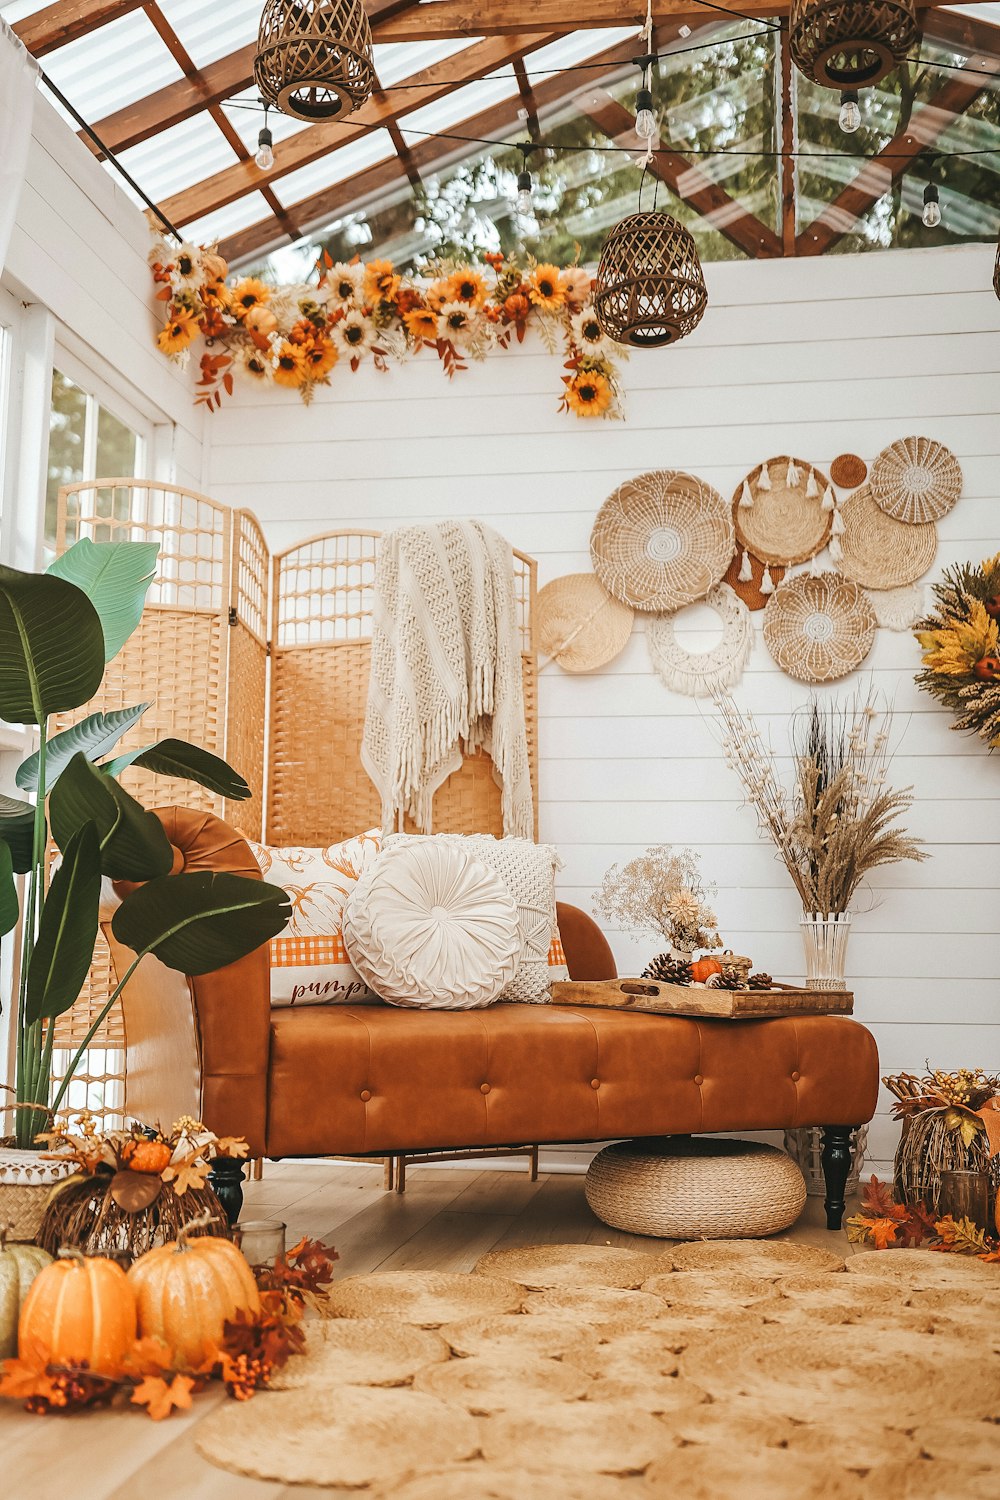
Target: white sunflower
[354, 334]
[587, 332]
[345, 283]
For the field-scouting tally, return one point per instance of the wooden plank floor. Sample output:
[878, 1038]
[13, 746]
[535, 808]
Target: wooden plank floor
[446, 1220]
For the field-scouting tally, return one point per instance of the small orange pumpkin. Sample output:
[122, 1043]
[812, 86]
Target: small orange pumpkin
[987, 668]
[79, 1310]
[703, 967]
[147, 1156]
[186, 1290]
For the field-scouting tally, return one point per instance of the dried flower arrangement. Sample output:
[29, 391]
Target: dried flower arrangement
[951, 1121]
[836, 826]
[132, 1188]
[293, 336]
[662, 892]
[961, 646]
[885, 1224]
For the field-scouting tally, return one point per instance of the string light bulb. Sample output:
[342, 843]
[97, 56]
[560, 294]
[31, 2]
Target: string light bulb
[265, 147]
[850, 111]
[645, 120]
[524, 203]
[932, 207]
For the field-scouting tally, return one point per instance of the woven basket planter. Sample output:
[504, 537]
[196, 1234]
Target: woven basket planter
[850, 44]
[805, 1147]
[928, 1147]
[650, 289]
[692, 1188]
[26, 1180]
[314, 57]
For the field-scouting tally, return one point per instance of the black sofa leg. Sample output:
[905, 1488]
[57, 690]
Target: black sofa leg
[837, 1151]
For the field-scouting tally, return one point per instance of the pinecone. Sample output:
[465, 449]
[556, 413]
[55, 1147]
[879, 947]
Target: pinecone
[761, 982]
[726, 981]
[668, 970]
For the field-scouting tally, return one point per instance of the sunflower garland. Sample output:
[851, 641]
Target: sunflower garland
[961, 646]
[294, 336]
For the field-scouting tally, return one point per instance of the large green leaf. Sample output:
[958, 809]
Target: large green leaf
[197, 923]
[133, 843]
[17, 829]
[51, 646]
[115, 576]
[10, 911]
[93, 736]
[186, 762]
[65, 943]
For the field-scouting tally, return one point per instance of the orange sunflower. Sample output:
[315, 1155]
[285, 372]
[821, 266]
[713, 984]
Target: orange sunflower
[180, 331]
[422, 323]
[320, 357]
[216, 294]
[438, 293]
[248, 294]
[589, 395]
[467, 286]
[290, 364]
[546, 288]
[381, 282]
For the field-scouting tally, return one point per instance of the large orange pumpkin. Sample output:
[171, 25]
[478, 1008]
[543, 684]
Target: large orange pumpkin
[79, 1310]
[702, 968]
[186, 1290]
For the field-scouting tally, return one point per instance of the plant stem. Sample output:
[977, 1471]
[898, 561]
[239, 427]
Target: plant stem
[74, 1062]
[26, 1072]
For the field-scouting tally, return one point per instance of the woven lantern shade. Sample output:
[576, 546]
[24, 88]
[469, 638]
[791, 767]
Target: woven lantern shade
[314, 57]
[851, 44]
[650, 289]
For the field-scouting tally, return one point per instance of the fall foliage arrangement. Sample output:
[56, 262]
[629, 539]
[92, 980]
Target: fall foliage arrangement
[294, 336]
[961, 646]
[951, 1122]
[886, 1224]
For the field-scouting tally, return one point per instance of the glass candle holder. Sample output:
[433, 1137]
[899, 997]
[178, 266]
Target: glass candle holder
[261, 1240]
[966, 1195]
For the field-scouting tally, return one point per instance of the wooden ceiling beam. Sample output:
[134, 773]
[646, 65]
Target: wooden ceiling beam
[880, 173]
[309, 145]
[685, 179]
[68, 20]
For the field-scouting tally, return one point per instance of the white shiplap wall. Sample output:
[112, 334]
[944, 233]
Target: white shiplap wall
[812, 357]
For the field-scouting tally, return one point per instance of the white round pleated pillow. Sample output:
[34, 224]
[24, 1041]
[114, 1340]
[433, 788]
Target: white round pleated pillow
[430, 927]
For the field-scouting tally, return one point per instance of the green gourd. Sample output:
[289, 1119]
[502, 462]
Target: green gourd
[19, 1265]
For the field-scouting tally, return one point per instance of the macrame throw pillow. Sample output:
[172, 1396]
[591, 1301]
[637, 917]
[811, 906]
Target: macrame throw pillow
[528, 871]
[431, 928]
[309, 963]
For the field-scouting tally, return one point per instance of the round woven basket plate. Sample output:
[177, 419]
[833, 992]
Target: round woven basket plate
[424, 1298]
[662, 540]
[360, 1351]
[539, 1267]
[767, 1259]
[514, 1336]
[607, 1311]
[919, 1269]
[819, 629]
[848, 471]
[698, 674]
[587, 1437]
[784, 524]
[916, 480]
[699, 1473]
[898, 609]
[479, 1481]
[345, 1435]
[880, 552]
[701, 1291]
[483, 1386]
[750, 592]
[579, 624]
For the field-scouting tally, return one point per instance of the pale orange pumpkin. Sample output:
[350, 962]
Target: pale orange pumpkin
[703, 967]
[79, 1310]
[147, 1156]
[186, 1290]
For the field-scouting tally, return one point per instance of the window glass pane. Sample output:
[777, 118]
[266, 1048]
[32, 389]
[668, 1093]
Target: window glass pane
[116, 447]
[67, 443]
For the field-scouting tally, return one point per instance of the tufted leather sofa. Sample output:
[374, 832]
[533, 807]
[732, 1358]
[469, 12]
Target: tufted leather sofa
[370, 1079]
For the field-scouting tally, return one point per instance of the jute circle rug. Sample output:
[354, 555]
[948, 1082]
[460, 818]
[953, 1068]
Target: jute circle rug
[859, 1445]
[606, 1310]
[481, 1481]
[485, 1385]
[649, 1350]
[959, 1441]
[921, 1269]
[539, 1267]
[513, 1334]
[424, 1298]
[764, 1258]
[700, 1473]
[588, 1437]
[702, 1291]
[361, 1351]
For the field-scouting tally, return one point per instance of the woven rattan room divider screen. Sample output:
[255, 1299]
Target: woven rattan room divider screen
[216, 611]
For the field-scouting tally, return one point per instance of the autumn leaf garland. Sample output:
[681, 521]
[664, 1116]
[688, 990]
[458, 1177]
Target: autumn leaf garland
[885, 1224]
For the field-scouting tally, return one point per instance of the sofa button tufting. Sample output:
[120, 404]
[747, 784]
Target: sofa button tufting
[484, 1088]
[365, 1095]
[796, 1075]
[698, 1078]
[595, 1083]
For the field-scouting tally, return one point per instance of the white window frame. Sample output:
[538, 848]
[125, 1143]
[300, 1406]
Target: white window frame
[100, 393]
[11, 383]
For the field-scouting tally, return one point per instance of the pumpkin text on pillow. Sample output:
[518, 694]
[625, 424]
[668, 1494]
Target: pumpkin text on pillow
[309, 963]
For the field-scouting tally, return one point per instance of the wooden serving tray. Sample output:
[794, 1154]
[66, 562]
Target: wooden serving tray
[657, 998]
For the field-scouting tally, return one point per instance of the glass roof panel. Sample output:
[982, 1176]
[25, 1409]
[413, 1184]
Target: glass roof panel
[546, 62]
[169, 162]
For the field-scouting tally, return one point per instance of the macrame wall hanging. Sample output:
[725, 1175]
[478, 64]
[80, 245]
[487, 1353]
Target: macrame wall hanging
[699, 674]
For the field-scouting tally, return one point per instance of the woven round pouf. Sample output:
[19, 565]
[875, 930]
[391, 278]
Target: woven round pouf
[693, 1188]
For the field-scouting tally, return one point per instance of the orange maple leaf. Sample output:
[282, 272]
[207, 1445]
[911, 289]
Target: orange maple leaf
[22, 1379]
[159, 1398]
[148, 1356]
[884, 1232]
[877, 1201]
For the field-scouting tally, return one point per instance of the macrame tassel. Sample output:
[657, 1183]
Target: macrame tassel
[766, 584]
[745, 574]
[746, 497]
[764, 481]
[829, 499]
[838, 528]
[836, 550]
[815, 568]
[812, 488]
[793, 475]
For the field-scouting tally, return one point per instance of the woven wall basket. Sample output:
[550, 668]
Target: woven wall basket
[314, 57]
[750, 590]
[879, 552]
[848, 471]
[784, 524]
[698, 674]
[650, 289]
[662, 540]
[819, 629]
[850, 44]
[916, 480]
[579, 624]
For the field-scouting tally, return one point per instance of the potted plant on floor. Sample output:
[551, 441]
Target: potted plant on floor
[58, 630]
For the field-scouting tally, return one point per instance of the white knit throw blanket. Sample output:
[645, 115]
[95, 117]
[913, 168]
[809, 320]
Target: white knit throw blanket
[445, 670]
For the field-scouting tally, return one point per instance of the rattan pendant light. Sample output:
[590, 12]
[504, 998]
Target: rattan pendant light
[650, 288]
[850, 44]
[314, 57]
[996, 274]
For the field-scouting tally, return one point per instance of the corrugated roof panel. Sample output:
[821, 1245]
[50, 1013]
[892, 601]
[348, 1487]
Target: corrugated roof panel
[333, 168]
[229, 220]
[247, 122]
[16, 10]
[189, 152]
[112, 67]
[396, 60]
[461, 103]
[574, 48]
[209, 32]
